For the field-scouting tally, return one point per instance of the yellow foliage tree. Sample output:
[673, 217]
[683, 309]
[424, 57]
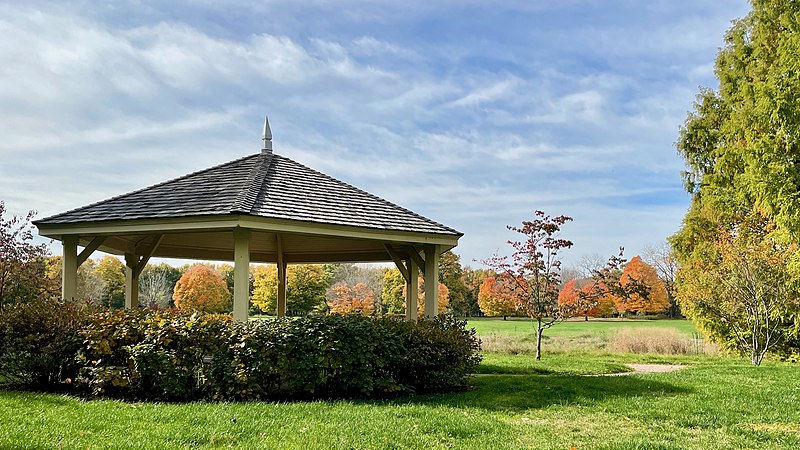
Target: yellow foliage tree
[265, 288]
[495, 300]
[200, 289]
[657, 300]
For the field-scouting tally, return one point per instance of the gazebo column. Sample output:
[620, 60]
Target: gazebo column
[412, 290]
[281, 303]
[131, 281]
[431, 280]
[69, 268]
[241, 274]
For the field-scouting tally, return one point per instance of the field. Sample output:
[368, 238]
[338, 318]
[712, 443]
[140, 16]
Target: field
[515, 402]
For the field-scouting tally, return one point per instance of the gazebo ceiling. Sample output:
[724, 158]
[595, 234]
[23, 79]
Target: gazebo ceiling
[319, 218]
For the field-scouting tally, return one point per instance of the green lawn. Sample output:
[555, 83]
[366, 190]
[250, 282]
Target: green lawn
[518, 326]
[715, 403]
[515, 403]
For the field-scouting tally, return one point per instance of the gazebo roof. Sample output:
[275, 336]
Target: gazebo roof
[261, 185]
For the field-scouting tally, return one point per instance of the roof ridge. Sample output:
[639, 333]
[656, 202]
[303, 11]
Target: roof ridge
[247, 197]
[146, 188]
[373, 196]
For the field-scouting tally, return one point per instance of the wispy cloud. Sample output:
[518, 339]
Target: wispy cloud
[484, 112]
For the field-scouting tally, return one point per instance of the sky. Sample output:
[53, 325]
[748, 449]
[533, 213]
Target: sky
[472, 113]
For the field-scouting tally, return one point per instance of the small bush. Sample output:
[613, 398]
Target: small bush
[38, 342]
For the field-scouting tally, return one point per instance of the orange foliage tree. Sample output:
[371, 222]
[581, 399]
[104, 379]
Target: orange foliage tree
[359, 299]
[584, 299]
[654, 301]
[496, 299]
[201, 289]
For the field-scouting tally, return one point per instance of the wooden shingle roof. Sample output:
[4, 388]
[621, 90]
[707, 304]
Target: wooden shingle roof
[261, 185]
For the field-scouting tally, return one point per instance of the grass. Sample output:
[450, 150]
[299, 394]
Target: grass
[518, 326]
[515, 403]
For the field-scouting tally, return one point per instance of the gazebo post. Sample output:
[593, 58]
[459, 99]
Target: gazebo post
[131, 281]
[281, 303]
[431, 280]
[241, 274]
[412, 290]
[69, 268]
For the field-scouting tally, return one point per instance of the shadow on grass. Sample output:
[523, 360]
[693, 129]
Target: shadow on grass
[519, 393]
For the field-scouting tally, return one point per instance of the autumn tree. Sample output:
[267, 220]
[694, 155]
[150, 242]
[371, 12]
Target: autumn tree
[740, 145]
[23, 264]
[745, 298]
[265, 288]
[577, 297]
[663, 259]
[91, 287]
[156, 284]
[451, 274]
[534, 266]
[392, 294]
[305, 288]
[473, 280]
[201, 289]
[112, 271]
[496, 298]
[654, 301]
[359, 299]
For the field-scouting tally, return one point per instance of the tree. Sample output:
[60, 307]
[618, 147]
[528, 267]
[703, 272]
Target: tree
[200, 289]
[155, 287]
[451, 274]
[23, 264]
[473, 280]
[305, 288]
[91, 286]
[359, 299]
[496, 299]
[663, 259]
[740, 145]
[577, 296]
[654, 301]
[392, 294]
[535, 267]
[745, 298]
[265, 288]
[111, 270]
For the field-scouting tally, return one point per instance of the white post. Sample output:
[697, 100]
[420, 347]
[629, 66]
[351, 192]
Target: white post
[131, 281]
[241, 274]
[412, 290]
[431, 280]
[69, 268]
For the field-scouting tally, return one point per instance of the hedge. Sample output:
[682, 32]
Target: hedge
[174, 356]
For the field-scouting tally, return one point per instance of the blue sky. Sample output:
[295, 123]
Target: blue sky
[471, 113]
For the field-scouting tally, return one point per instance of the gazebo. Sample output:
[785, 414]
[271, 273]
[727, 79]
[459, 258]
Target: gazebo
[263, 208]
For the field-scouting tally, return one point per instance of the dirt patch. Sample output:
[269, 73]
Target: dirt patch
[643, 368]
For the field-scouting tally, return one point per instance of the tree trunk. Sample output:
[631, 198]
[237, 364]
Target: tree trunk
[504, 317]
[586, 318]
[539, 331]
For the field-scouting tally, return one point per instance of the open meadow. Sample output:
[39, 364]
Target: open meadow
[515, 402]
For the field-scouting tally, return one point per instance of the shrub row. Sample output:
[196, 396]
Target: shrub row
[169, 355]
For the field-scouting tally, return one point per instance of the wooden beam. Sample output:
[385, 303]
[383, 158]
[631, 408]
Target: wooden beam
[131, 281]
[397, 262]
[414, 254]
[90, 248]
[148, 254]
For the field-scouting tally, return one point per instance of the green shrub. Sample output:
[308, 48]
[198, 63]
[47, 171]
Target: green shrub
[38, 342]
[171, 355]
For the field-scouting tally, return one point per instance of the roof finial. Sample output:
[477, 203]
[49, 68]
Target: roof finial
[267, 137]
